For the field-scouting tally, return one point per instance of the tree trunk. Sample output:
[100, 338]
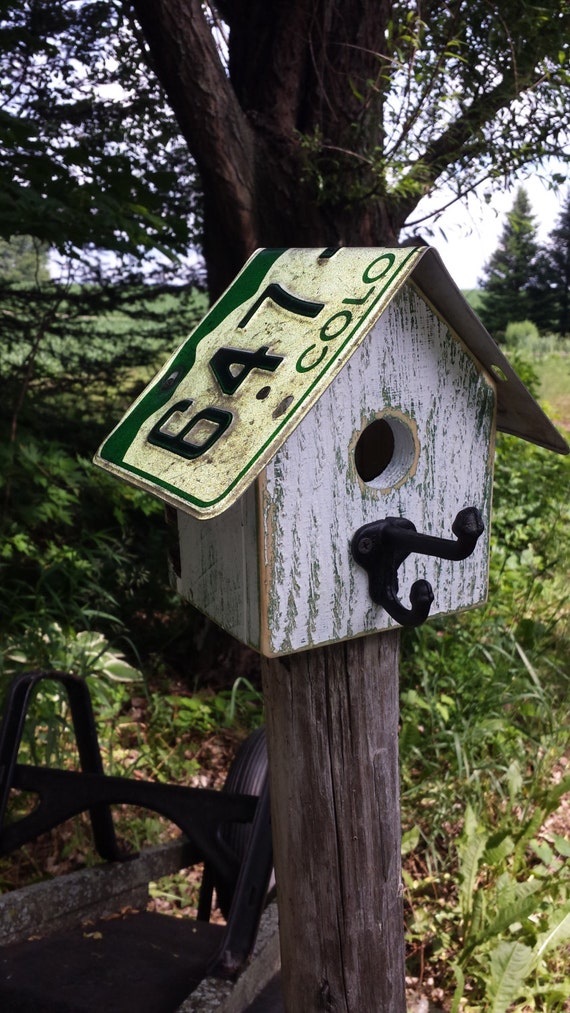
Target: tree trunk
[294, 76]
[332, 727]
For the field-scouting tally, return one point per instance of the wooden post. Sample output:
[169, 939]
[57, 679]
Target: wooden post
[332, 727]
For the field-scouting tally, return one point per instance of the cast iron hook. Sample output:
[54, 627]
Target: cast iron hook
[382, 546]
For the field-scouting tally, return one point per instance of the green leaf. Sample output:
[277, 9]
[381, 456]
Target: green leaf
[518, 911]
[499, 847]
[509, 967]
[410, 840]
[558, 932]
[471, 847]
[119, 670]
[543, 851]
[514, 779]
[562, 846]
[460, 987]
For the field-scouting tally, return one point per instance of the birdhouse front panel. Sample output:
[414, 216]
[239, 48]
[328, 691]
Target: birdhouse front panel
[406, 430]
[219, 569]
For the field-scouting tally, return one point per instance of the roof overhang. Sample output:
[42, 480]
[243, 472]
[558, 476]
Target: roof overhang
[517, 411]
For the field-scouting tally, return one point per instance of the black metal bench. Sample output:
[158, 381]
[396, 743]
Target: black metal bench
[137, 961]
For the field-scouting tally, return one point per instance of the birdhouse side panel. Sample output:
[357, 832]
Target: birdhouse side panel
[415, 377]
[219, 567]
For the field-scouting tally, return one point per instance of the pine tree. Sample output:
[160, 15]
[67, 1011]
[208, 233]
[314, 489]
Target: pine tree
[505, 282]
[549, 280]
[542, 292]
[559, 258]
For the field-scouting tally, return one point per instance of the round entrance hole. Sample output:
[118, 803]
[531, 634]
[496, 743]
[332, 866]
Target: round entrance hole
[386, 452]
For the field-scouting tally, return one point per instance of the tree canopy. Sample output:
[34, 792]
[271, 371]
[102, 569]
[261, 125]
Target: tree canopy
[308, 122]
[553, 284]
[322, 123]
[90, 155]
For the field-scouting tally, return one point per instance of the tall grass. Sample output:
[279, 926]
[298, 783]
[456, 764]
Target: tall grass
[485, 760]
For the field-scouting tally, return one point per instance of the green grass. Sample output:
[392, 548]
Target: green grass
[554, 377]
[484, 738]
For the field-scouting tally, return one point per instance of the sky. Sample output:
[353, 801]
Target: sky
[472, 229]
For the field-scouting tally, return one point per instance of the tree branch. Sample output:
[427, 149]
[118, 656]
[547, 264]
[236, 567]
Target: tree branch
[216, 130]
[460, 138]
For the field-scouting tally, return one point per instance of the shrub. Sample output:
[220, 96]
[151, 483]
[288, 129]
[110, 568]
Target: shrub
[519, 331]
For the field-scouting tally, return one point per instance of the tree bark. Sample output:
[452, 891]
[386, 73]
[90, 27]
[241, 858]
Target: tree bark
[332, 727]
[187, 63]
[295, 70]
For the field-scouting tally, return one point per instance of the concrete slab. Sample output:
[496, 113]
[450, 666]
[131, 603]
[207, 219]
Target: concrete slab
[60, 903]
[215, 996]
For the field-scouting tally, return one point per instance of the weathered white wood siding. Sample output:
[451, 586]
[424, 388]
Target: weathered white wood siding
[279, 575]
[313, 500]
[220, 567]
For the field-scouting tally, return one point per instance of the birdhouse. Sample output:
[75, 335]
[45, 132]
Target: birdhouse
[326, 439]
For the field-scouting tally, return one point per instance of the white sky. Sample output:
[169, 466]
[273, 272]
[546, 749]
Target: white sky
[472, 228]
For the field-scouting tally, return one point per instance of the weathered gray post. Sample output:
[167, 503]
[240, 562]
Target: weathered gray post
[322, 433]
[332, 727]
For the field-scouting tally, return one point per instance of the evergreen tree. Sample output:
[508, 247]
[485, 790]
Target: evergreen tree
[558, 253]
[542, 293]
[549, 281]
[505, 282]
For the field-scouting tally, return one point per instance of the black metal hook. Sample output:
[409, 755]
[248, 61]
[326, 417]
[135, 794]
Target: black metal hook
[382, 546]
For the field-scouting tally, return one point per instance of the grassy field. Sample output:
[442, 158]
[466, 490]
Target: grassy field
[554, 375]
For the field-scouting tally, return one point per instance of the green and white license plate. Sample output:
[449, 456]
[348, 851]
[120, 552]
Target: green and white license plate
[228, 398]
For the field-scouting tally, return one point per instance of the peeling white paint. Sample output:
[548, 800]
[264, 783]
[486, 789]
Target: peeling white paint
[281, 577]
